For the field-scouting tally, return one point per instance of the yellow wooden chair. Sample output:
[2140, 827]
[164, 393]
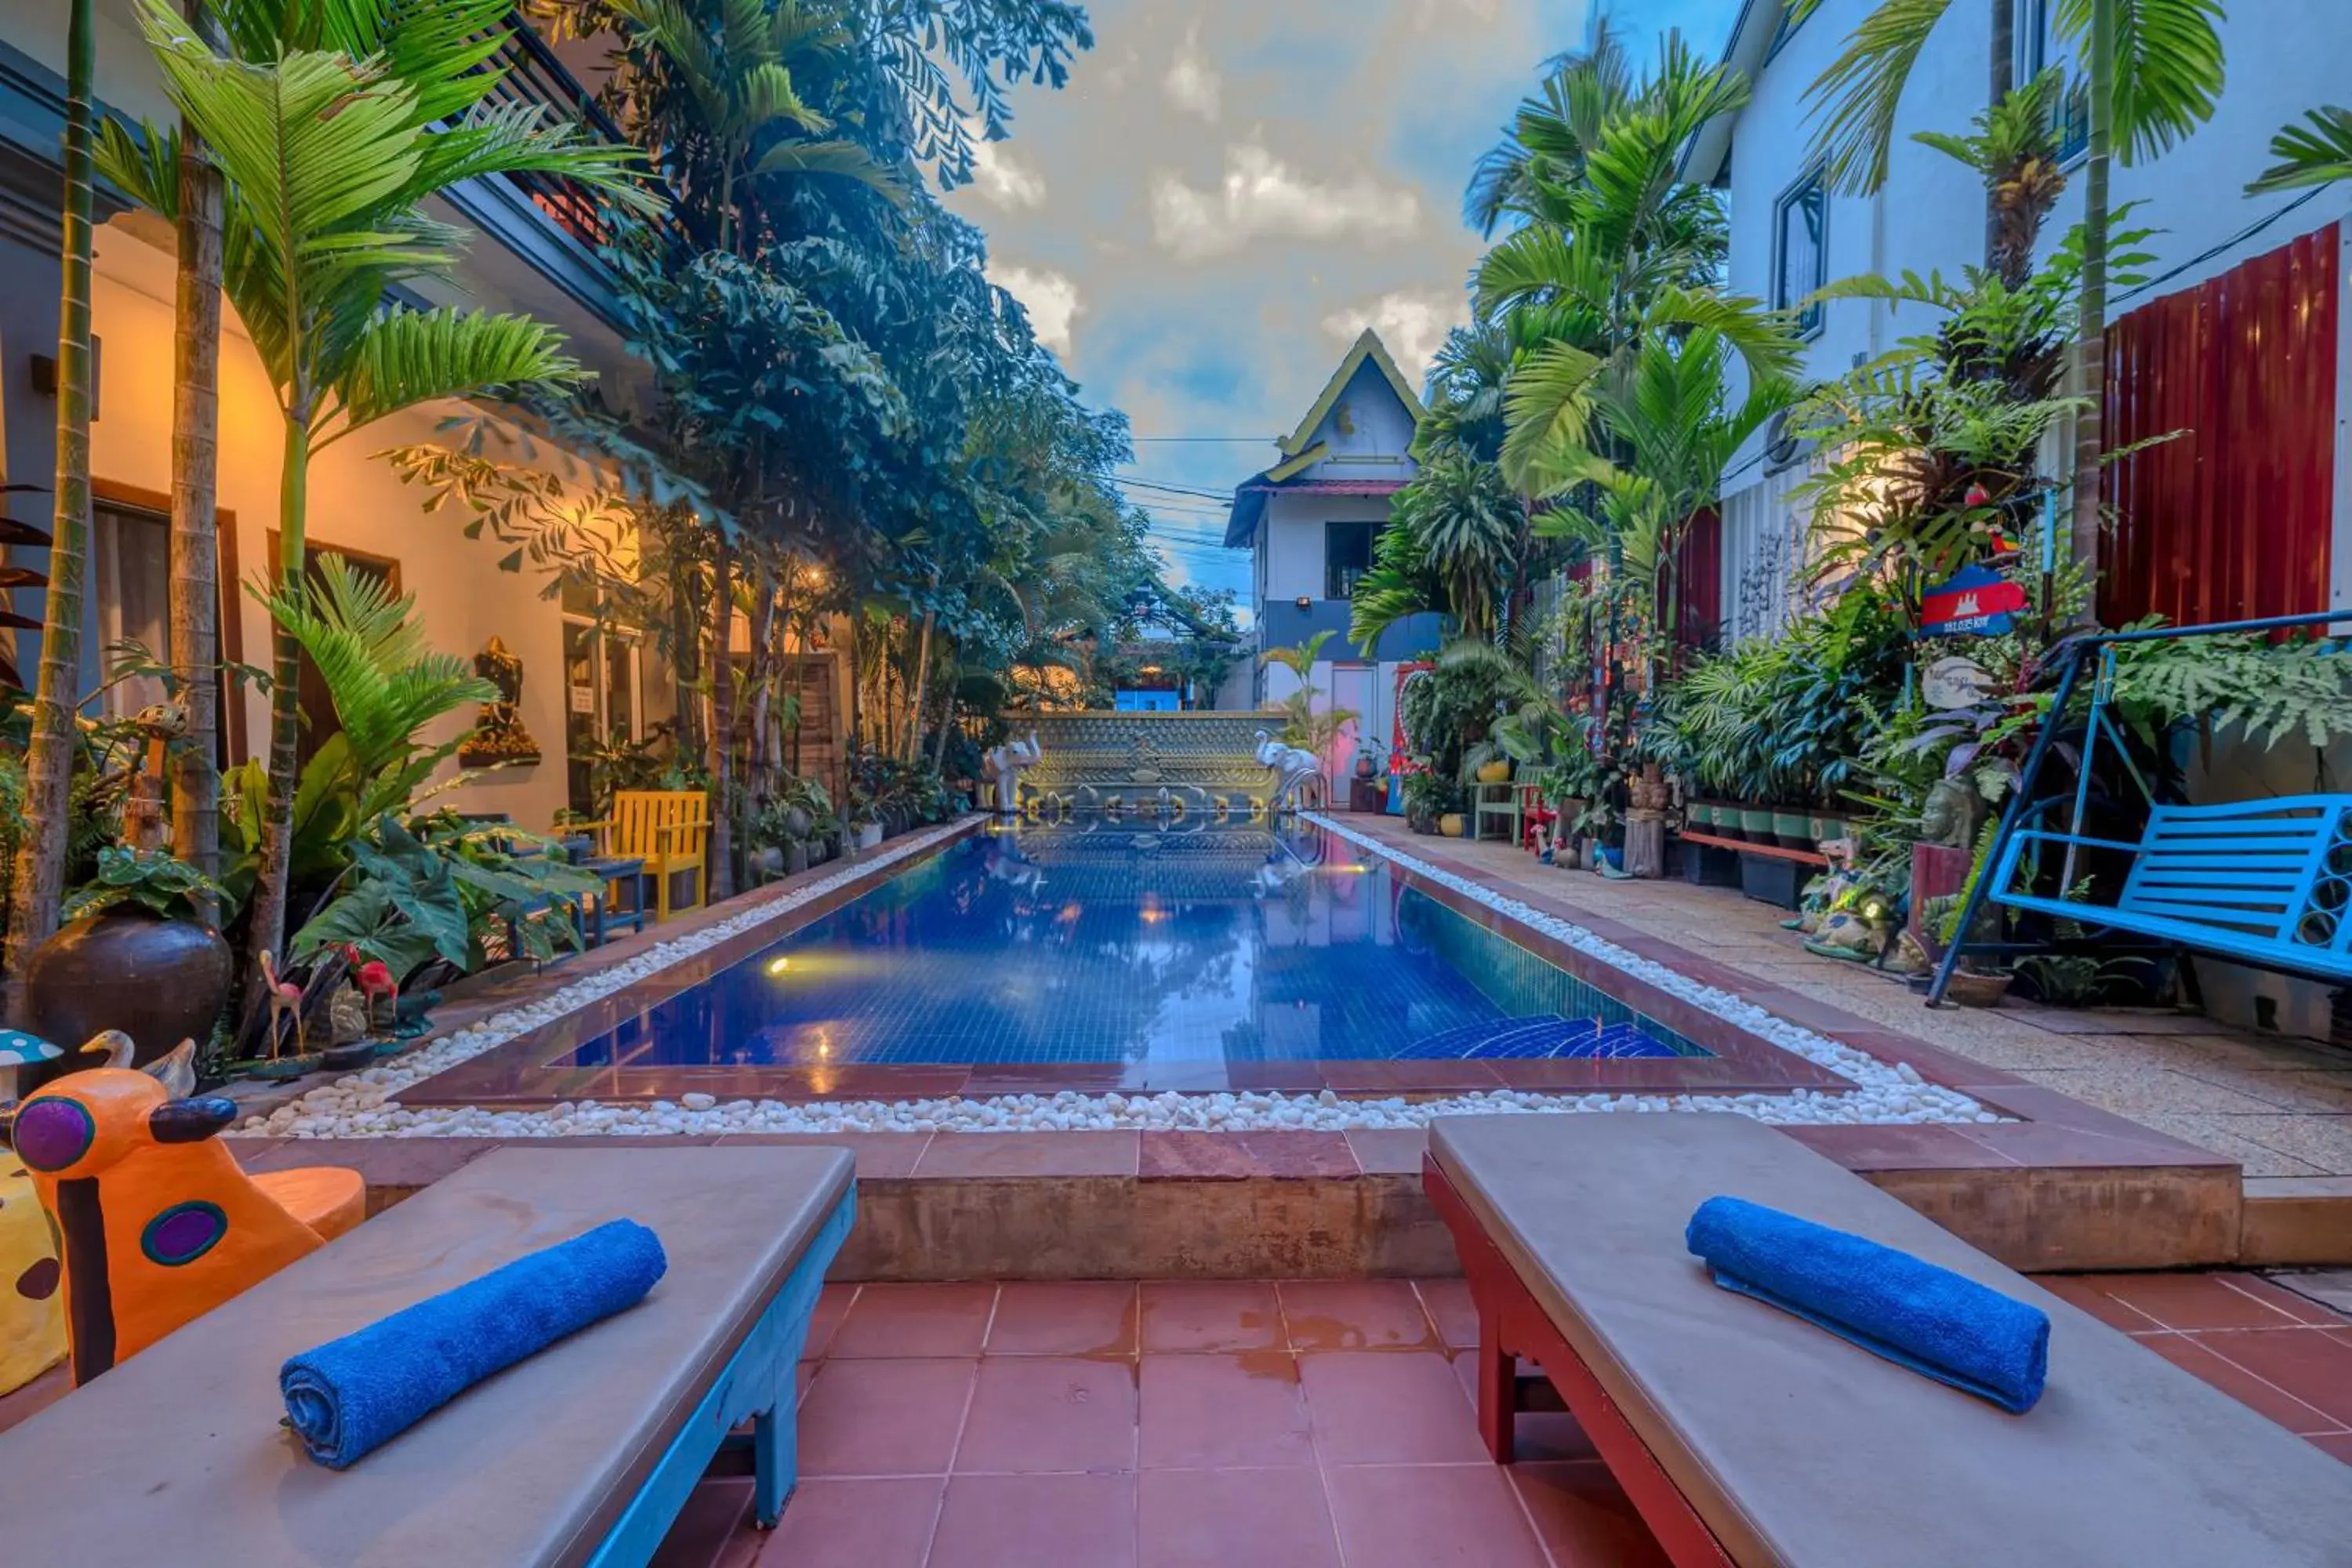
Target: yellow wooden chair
[668, 829]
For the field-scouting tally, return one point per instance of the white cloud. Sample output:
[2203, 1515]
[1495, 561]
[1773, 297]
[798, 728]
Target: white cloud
[1002, 178]
[1051, 299]
[1262, 196]
[1412, 322]
[1192, 83]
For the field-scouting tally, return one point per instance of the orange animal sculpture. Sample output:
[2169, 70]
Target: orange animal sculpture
[156, 1223]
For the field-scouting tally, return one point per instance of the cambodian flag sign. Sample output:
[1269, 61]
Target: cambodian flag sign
[1976, 602]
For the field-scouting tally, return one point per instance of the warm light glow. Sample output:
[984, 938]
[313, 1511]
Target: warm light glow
[1069, 912]
[1151, 911]
[778, 966]
[1150, 670]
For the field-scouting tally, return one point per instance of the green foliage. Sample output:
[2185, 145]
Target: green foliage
[445, 889]
[2168, 76]
[2272, 692]
[2318, 153]
[153, 880]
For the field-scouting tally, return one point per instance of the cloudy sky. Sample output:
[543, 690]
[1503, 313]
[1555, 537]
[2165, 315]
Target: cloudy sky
[1230, 189]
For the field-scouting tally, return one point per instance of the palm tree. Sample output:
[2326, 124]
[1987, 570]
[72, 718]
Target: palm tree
[39, 881]
[2154, 70]
[195, 563]
[326, 126]
[1544, 147]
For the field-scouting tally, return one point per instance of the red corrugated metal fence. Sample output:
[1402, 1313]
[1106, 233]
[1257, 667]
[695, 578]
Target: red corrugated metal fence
[2233, 518]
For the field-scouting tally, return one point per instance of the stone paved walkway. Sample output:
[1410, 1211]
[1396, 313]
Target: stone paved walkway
[2280, 1106]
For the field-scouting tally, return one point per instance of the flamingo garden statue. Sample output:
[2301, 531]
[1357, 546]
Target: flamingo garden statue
[373, 978]
[285, 997]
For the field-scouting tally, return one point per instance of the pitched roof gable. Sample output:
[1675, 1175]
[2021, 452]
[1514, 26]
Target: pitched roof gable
[1368, 347]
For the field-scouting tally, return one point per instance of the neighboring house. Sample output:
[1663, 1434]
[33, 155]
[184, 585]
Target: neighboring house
[532, 252]
[1309, 522]
[2237, 339]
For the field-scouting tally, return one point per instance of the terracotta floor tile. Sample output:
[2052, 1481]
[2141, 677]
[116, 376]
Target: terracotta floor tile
[1450, 1307]
[1391, 1408]
[1584, 1518]
[1029, 1155]
[884, 1417]
[1080, 1318]
[832, 1305]
[903, 1321]
[2084, 1291]
[1050, 1413]
[2187, 1352]
[2302, 1309]
[1355, 1315]
[704, 1534]
[1210, 1315]
[1212, 1411]
[1030, 1522]
[1430, 1516]
[855, 1524]
[1234, 1518]
[2192, 1301]
[2311, 1365]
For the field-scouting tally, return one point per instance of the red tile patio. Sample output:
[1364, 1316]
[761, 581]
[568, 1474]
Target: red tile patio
[1299, 1425]
[1259, 1424]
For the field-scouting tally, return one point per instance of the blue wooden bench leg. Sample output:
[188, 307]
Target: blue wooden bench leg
[775, 1449]
[758, 1386]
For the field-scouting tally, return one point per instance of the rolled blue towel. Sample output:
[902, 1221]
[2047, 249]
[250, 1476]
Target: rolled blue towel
[353, 1394]
[1911, 1313]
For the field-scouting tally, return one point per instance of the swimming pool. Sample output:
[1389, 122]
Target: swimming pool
[1100, 943]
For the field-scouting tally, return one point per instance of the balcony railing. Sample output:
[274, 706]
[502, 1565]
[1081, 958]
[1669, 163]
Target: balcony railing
[535, 76]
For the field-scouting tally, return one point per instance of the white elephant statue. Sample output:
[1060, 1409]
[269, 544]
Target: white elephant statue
[1003, 767]
[1294, 771]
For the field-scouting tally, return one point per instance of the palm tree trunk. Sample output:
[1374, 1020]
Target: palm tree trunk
[266, 933]
[39, 883]
[2089, 434]
[722, 723]
[760, 777]
[194, 547]
[2004, 79]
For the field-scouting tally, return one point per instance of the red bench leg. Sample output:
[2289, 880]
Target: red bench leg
[1511, 1324]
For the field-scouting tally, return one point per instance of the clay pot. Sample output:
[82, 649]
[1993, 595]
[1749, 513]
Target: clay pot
[1452, 825]
[1364, 766]
[1972, 990]
[158, 981]
[1494, 772]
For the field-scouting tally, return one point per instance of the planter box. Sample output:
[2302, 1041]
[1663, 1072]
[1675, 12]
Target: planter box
[1709, 866]
[1769, 879]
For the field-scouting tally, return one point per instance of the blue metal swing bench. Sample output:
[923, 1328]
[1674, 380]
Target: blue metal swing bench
[2265, 882]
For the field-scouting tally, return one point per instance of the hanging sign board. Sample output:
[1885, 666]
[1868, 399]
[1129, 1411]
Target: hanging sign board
[583, 699]
[1978, 601]
[1954, 683]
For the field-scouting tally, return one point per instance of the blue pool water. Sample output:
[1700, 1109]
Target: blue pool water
[1108, 945]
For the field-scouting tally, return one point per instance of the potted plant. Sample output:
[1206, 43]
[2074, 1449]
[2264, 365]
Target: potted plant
[1428, 797]
[134, 955]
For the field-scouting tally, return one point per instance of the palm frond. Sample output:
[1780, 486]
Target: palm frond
[2317, 152]
[1856, 97]
[2169, 68]
[407, 357]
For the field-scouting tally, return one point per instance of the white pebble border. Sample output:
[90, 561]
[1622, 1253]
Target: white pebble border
[365, 1104]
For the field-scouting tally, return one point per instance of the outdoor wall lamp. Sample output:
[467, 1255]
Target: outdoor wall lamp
[1305, 601]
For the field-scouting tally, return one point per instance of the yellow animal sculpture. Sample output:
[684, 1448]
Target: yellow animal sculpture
[156, 1222]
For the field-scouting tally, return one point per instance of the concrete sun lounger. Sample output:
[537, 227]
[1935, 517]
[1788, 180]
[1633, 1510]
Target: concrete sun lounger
[1746, 1435]
[583, 1454]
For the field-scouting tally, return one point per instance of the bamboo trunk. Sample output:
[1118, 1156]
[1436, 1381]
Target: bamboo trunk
[195, 544]
[722, 724]
[39, 883]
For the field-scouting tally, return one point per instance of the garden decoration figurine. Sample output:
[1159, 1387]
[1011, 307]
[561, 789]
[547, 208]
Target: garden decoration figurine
[373, 977]
[20, 1050]
[498, 734]
[1292, 769]
[156, 1223]
[285, 997]
[1002, 767]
